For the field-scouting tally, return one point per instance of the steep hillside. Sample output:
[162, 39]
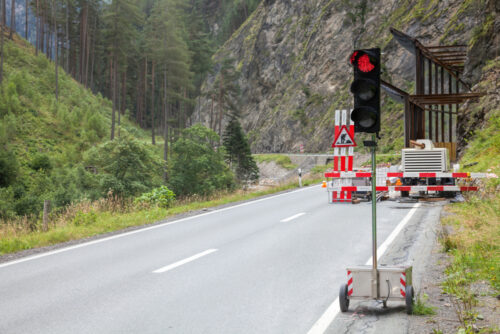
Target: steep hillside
[42, 140]
[294, 69]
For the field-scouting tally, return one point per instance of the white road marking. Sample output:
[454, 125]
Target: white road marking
[331, 312]
[34, 257]
[187, 260]
[382, 248]
[292, 217]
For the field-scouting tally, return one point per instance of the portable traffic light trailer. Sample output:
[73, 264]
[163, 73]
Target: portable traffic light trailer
[372, 282]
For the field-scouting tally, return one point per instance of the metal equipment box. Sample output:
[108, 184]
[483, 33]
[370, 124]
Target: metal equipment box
[392, 282]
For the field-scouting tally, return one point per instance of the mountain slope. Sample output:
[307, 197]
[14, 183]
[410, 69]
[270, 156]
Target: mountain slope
[293, 56]
[43, 140]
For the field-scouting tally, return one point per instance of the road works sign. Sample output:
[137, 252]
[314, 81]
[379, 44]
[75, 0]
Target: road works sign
[344, 138]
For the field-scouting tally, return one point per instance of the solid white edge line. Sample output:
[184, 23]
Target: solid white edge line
[186, 260]
[331, 312]
[65, 249]
[292, 217]
[382, 248]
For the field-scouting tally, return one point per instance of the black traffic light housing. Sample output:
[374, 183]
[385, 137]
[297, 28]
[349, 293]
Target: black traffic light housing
[366, 90]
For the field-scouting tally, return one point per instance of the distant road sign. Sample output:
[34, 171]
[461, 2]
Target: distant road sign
[344, 138]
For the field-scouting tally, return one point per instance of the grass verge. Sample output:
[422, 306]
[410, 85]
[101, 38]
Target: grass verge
[475, 249]
[281, 160]
[87, 219]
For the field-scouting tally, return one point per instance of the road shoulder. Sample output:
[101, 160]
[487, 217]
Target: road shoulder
[413, 246]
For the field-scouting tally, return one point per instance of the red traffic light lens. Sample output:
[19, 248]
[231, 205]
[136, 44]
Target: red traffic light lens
[365, 64]
[353, 57]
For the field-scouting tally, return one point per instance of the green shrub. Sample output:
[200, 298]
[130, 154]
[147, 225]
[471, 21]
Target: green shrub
[125, 166]
[41, 161]
[85, 219]
[6, 203]
[9, 167]
[196, 167]
[28, 205]
[162, 197]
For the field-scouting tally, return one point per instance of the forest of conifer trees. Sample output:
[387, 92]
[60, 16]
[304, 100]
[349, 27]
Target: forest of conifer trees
[147, 56]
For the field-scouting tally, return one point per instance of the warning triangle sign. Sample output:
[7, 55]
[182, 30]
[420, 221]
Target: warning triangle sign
[344, 138]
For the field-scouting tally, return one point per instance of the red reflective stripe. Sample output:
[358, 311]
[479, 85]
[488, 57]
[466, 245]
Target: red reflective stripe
[349, 195]
[468, 188]
[332, 174]
[351, 163]
[394, 174]
[349, 282]
[349, 188]
[382, 188]
[336, 163]
[459, 175]
[348, 272]
[402, 293]
[402, 188]
[342, 163]
[427, 174]
[363, 174]
[403, 283]
[435, 188]
[350, 292]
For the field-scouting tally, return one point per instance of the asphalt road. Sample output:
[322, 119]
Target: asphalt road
[267, 266]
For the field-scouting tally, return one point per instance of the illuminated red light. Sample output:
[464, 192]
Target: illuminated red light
[353, 57]
[364, 64]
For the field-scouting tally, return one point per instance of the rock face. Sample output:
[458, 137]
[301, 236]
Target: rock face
[293, 58]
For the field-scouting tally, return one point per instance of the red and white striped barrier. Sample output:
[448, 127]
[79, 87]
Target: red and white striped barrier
[349, 283]
[343, 159]
[406, 174]
[403, 188]
[402, 280]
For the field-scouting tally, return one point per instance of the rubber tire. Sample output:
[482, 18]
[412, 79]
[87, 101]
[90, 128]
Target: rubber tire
[343, 298]
[410, 294]
[405, 194]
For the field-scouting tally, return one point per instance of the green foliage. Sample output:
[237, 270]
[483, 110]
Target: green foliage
[280, 159]
[9, 167]
[196, 167]
[421, 308]
[235, 12]
[85, 218]
[40, 161]
[299, 115]
[162, 197]
[237, 152]
[126, 166]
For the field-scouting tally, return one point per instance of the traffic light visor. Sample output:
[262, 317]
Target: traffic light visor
[365, 89]
[365, 117]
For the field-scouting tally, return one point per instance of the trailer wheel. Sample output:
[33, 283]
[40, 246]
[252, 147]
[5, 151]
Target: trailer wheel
[405, 193]
[409, 299]
[343, 299]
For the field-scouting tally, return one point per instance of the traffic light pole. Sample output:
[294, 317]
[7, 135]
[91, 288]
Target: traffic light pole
[374, 281]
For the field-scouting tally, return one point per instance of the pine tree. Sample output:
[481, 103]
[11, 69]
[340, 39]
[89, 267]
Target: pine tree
[226, 91]
[12, 18]
[168, 50]
[121, 19]
[238, 154]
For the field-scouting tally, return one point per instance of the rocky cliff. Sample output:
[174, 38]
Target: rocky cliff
[293, 59]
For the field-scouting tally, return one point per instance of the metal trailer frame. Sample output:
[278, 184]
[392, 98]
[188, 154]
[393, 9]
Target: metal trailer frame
[368, 278]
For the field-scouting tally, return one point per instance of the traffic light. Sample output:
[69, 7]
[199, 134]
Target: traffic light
[366, 90]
